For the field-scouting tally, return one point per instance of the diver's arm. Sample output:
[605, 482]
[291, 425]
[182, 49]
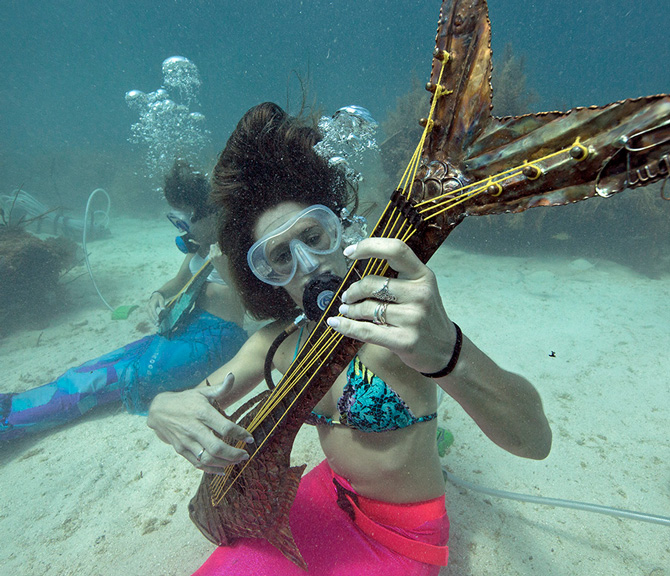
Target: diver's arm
[189, 422]
[247, 366]
[159, 297]
[174, 285]
[504, 405]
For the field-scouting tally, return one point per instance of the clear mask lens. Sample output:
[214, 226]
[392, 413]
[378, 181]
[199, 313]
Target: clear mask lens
[314, 232]
[179, 221]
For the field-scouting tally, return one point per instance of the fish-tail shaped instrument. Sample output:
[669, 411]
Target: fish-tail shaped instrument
[467, 163]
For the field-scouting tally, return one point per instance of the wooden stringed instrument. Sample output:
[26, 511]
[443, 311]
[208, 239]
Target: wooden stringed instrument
[467, 163]
[182, 303]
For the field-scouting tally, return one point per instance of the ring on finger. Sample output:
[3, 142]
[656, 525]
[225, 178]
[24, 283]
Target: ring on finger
[384, 294]
[199, 456]
[379, 315]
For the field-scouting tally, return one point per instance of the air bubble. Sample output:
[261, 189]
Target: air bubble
[136, 98]
[181, 75]
[160, 94]
[167, 127]
[347, 137]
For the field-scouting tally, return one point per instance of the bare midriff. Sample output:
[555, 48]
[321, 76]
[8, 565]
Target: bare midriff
[398, 466]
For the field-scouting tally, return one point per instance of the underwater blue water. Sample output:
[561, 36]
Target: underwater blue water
[66, 65]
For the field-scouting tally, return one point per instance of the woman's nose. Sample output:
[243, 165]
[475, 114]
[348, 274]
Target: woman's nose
[307, 261]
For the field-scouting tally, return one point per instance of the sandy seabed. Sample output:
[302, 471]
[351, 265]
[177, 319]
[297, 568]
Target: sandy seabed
[105, 497]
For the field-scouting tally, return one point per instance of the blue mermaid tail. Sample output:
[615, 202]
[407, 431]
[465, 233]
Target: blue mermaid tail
[133, 374]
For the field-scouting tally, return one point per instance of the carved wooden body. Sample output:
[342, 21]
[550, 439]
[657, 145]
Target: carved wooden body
[471, 164]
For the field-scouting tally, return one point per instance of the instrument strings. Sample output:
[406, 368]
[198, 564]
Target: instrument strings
[317, 349]
[432, 207]
[186, 286]
[323, 340]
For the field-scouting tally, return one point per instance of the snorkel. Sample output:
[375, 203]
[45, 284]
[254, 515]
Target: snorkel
[186, 242]
[317, 296]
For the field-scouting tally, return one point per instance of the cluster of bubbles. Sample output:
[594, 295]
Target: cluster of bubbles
[348, 135]
[182, 75]
[354, 227]
[168, 127]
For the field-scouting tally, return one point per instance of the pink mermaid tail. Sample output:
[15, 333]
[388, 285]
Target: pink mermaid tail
[331, 542]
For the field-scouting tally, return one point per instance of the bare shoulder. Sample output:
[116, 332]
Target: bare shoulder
[261, 340]
[248, 363]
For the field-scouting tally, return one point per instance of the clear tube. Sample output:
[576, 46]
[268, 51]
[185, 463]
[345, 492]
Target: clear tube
[88, 264]
[584, 506]
[20, 199]
[60, 225]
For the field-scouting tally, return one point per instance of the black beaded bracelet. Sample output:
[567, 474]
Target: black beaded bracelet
[454, 357]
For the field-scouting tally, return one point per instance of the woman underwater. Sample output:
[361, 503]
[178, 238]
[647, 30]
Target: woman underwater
[377, 424]
[202, 340]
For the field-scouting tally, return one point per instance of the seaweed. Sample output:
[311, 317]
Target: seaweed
[512, 96]
[30, 270]
[402, 129]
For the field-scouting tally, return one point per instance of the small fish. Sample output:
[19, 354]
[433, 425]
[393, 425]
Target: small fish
[562, 236]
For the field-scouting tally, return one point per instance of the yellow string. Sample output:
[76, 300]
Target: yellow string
[416, 157]
[185, 287]
[328, 340]
[453, 198]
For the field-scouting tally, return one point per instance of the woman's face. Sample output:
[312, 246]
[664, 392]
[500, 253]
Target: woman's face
[203, 230]
[310, 263]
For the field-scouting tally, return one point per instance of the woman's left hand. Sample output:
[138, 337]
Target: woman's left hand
[414, 325]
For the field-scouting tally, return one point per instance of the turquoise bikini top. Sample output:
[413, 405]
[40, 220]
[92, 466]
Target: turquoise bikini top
[369, 404]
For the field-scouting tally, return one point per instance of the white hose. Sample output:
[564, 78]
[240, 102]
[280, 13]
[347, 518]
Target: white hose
[584, 506]
[88, 264]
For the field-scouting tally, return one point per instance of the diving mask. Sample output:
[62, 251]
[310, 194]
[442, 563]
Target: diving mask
[185, 241]
[316, 231]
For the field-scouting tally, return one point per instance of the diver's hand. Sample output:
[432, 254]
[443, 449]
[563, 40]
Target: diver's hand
[155, 305]
[189, 422]
[220, 261]
[417, 327]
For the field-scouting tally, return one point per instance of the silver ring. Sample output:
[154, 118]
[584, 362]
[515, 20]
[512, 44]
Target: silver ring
[384, 294]
[379, 315]
[199, 456]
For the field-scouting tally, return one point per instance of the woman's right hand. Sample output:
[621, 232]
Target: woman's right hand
[189, 422]
[220, 262]
[155, 305]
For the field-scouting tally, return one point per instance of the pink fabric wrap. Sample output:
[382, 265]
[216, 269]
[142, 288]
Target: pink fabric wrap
[330, 541]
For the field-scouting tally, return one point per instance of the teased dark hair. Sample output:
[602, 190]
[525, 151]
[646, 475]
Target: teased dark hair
[186, 187]
[269, 159]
